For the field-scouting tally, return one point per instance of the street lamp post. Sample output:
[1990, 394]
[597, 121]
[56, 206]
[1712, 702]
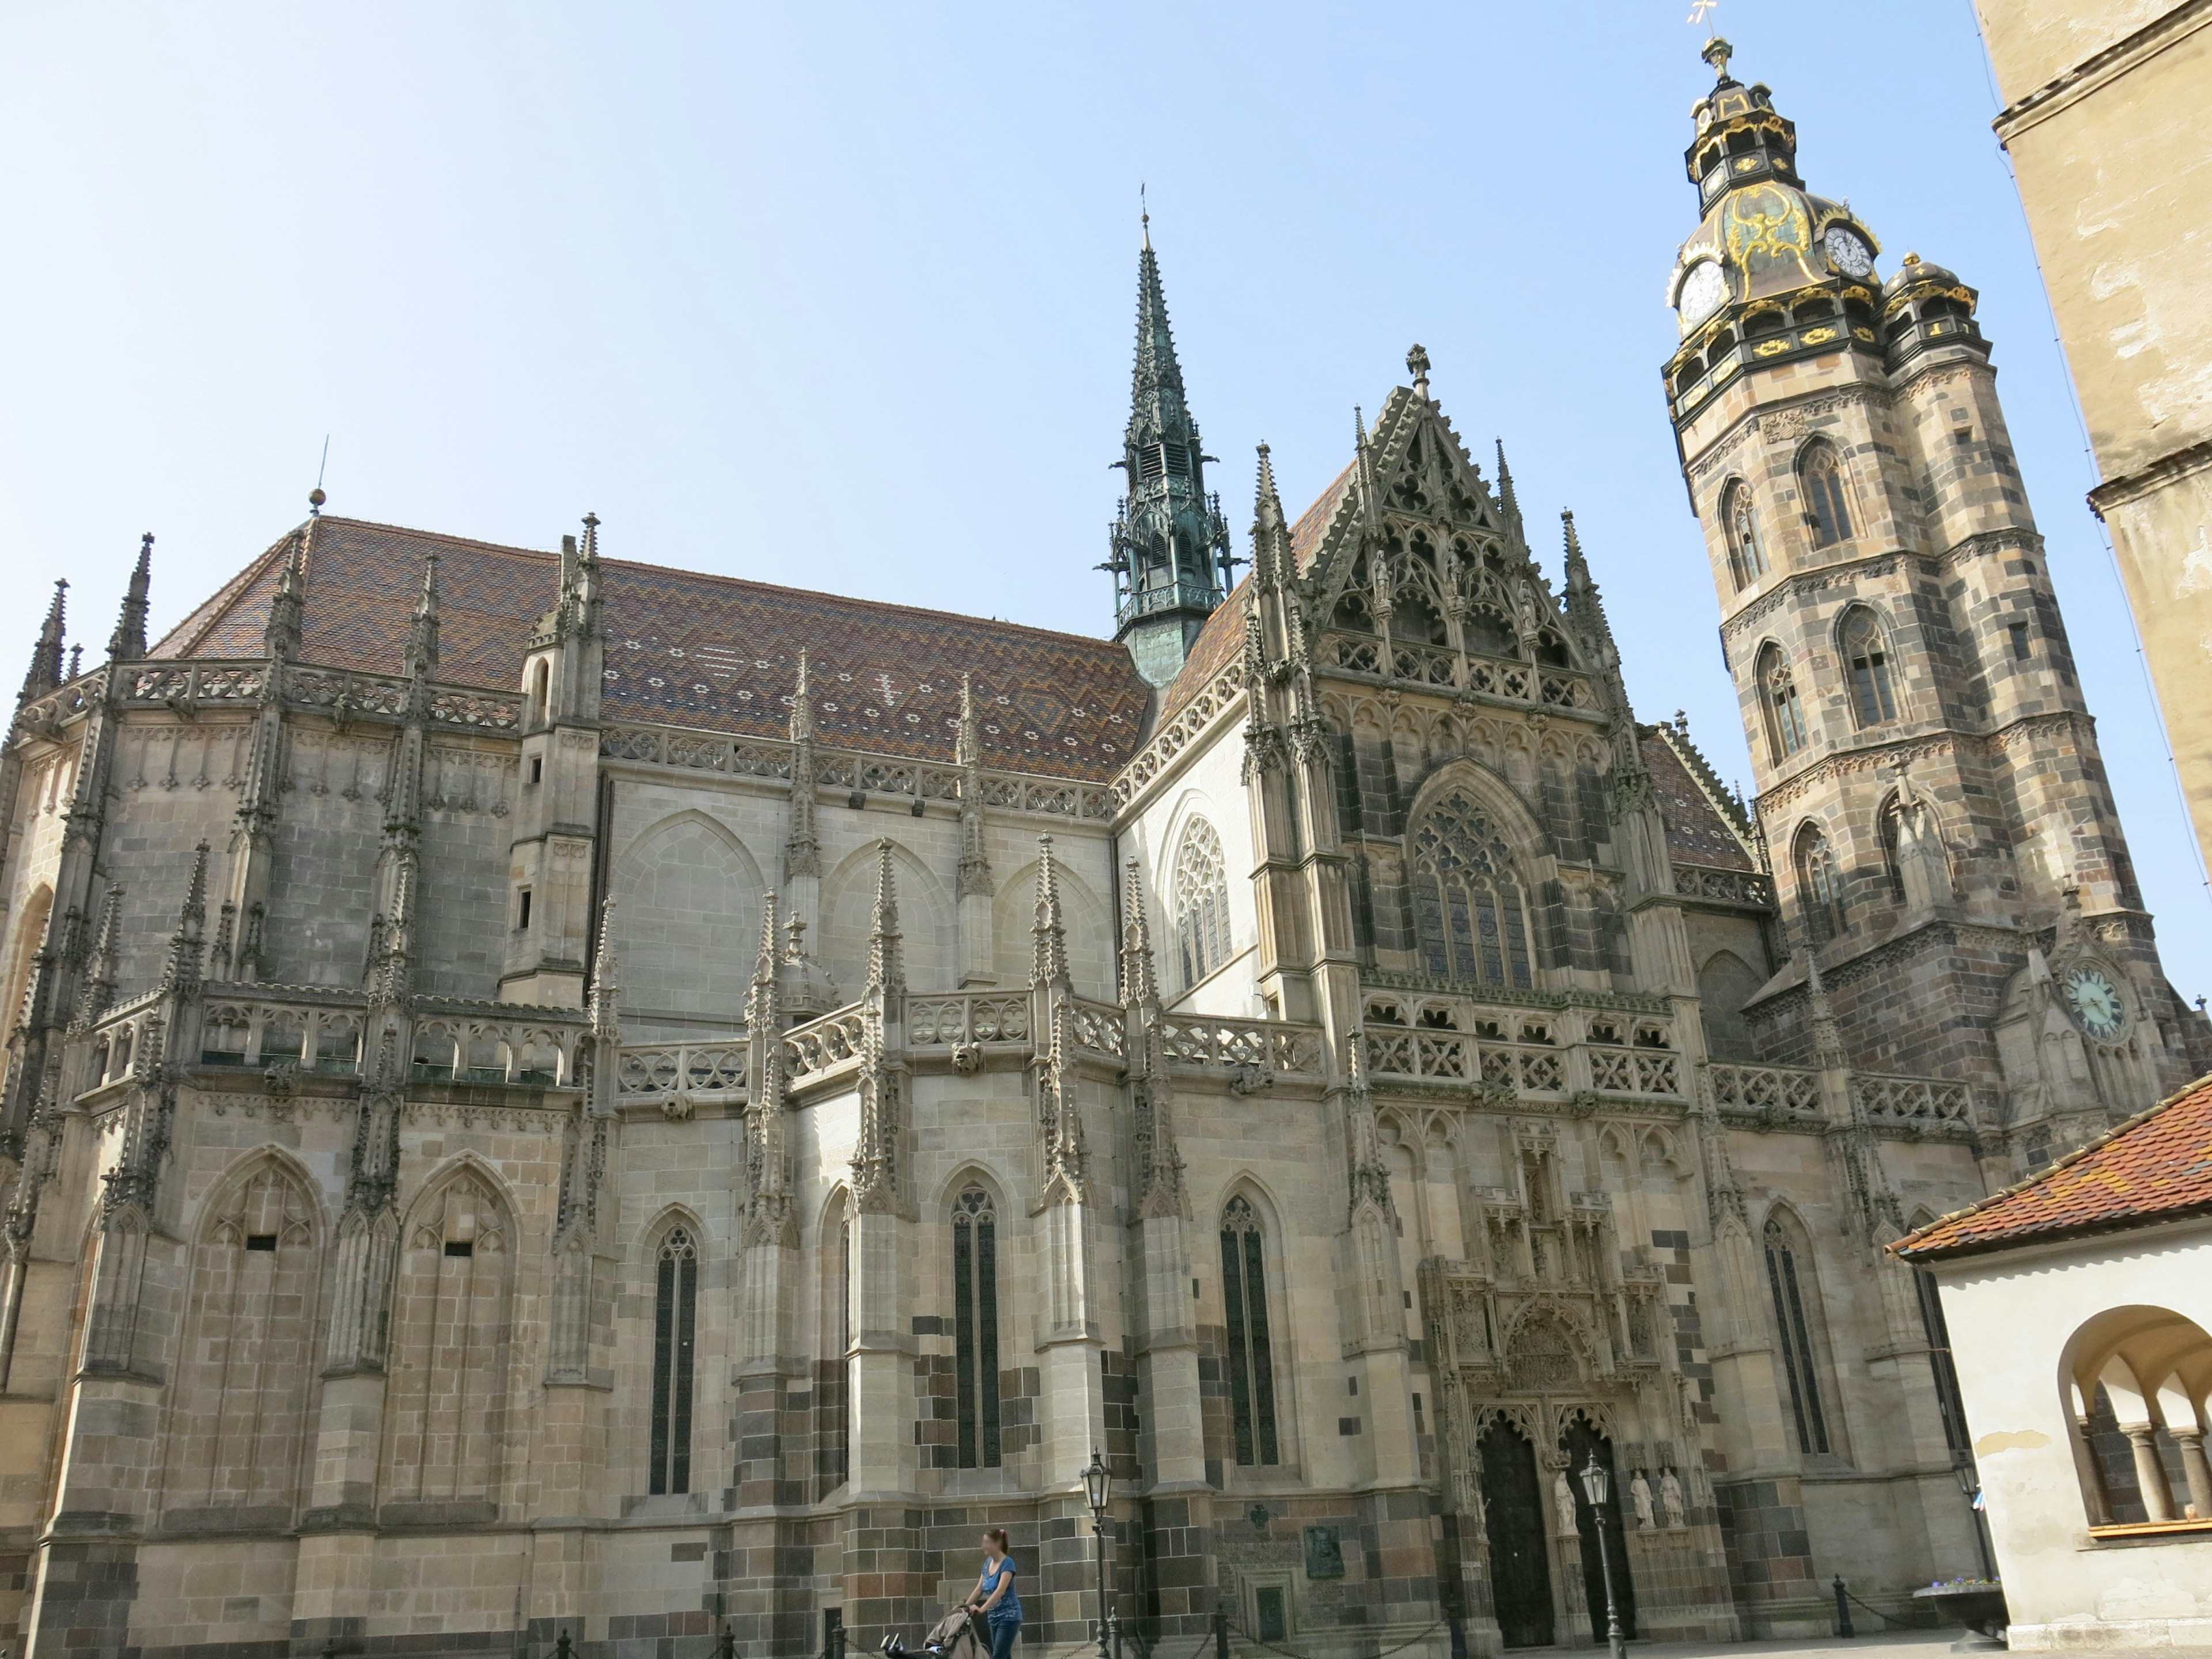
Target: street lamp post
[1097, 1487]
[1596, 1487]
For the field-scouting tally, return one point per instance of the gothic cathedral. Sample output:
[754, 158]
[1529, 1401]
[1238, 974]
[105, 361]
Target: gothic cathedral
[555, 1104]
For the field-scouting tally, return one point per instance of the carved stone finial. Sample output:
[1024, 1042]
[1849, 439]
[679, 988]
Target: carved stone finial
[1417, 365]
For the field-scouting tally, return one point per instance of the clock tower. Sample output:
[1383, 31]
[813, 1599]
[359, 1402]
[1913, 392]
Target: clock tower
[1939, 826]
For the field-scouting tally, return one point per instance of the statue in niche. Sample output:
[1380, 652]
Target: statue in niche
[1563, 1500]
[1671, 1494]
[1639, 1495]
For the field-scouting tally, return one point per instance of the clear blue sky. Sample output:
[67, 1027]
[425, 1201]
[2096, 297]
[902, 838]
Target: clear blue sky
[842, 295]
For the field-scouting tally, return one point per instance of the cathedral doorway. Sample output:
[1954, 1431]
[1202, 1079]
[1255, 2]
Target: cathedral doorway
[1581, 1441]
[1513, 1505]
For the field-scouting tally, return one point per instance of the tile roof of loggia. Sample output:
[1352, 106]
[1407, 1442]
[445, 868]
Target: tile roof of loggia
[715, 653]
[2155, 1167]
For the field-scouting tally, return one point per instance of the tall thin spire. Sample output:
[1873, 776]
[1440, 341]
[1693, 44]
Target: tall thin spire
[1139, 985]
[606, 982]
[128, 643]
[974, 875]
[1271, 531]
[98, 990]
[1507, 502]
[46, 670]
[886, 962]
[181, 971]
[763, 1005]
[422, 631]
[802, 845]
[1048, 959]
[1170, 554]
[282, 636]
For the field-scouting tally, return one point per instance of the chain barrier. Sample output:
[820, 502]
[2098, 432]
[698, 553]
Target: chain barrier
[1290, 1653]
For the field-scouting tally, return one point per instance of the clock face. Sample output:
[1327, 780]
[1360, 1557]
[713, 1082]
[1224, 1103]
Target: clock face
[2095, 1002]
[1705, 291]
[1847, 251]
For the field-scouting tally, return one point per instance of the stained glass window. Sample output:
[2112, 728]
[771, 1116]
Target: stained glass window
[676, 1295]
[975, 1327]
[1468, 915]
[1251, 1357]
[1201, 902]
[1788, 1288]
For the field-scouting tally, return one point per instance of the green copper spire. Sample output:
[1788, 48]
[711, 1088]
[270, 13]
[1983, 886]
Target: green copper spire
[1171, 561]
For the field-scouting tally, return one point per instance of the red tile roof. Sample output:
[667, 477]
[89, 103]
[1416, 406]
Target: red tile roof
[2155, 1167]
[689, 649]
[1219, 639]
[1696, 833]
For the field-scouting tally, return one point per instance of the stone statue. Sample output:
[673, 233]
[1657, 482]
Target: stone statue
[1671, 1494]
[1639, 1494]
[1563, 1500]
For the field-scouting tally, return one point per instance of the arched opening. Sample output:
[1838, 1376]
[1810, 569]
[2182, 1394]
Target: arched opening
[832, 1371]
[1747, 553]
[1251, 1349]
[1488, 632]
[1725, 984]
[1415, 621]
[2136, 1380]
[1200, 889]
[1820, 485]
[1470, 919]
[541, 682]
[1793, 1289]
[1583, 1442]
[975, 1327]
[30, 938]
[1779, 703]
[675, 1341]
[1513, 1506]
[1865, 650]
[1819, 894]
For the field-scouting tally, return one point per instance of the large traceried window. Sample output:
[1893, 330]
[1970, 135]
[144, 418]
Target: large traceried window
[1780, 702]
[675, 1326]
[1789, 1280]
[1251, 1355]
[1866, 656]
[1818, 889]
[975, 1327]
[1201, 902]
[1469, 910]
[1739, 524]
[1820, 483]
[1945, 1373]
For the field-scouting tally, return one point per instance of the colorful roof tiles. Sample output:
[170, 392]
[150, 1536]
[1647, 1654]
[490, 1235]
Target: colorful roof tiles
[717, 652]
[2155, 1167]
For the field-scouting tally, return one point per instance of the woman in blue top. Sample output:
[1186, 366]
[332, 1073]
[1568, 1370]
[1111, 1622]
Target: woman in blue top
[993, 1595]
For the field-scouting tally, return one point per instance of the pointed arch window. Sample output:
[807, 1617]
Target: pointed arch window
[1788, 1278]
[1470, 917]
[1251, 1352]
[1739, 524]
[1866, 655]
[1778, 700]
[1201, 902]
[675, 1326]
[1820, 483]
[975, 1327]
[1946, 1374]
[1818, 889]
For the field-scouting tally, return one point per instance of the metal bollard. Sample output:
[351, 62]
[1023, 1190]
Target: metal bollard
[1843, 1609]
[561, 1647]
[727, 1647]
[1221, 1633]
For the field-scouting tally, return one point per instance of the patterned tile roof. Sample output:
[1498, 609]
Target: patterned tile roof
[716, 653]
[1312, 525]
[1218, 642]
[1696, 832]
[2155, 1167]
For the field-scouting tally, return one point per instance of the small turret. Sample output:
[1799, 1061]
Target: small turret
[45, 672]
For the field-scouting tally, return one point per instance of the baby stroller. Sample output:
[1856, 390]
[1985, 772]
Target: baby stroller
[958, 1634]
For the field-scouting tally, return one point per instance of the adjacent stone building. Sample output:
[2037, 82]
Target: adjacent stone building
[2110, 135]
[555, 1095]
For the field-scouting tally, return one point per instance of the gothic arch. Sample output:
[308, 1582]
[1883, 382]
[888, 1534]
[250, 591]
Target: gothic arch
[1475, 896]
[848, 910]
[243, 1386]
[1740, 533]
[1863, 641]
[1725, 985]
[1784, 711]
[1825, 497]
[1491, 790]
[1090, 949]
[445, 1416]
[30, 935]
[1812, 1400]
[647, 1238]
[687, 921]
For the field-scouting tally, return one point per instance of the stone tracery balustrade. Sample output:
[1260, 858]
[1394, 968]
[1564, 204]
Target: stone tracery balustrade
[838, 769]
[59, 706]
[1728, 886]
[967, 1016]
[707, 1072]
[824, 1044]
[1437, 666]
[1889, 1099]
[194, 684]
[1763, 1090]
[1518, 1068]
[1267, 1045]
[1100, 1027]
[453, 1042]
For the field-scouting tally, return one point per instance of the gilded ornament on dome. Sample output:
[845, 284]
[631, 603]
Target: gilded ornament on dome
[1766, 228]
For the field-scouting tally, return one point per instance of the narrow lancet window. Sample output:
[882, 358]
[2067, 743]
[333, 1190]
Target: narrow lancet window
[1251, 1357]
[675, 1325]
[975, 1327]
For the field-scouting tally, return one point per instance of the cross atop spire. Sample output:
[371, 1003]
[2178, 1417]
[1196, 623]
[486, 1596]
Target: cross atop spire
[1170, 557]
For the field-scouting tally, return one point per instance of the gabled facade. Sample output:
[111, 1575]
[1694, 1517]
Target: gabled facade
[555, 1095]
